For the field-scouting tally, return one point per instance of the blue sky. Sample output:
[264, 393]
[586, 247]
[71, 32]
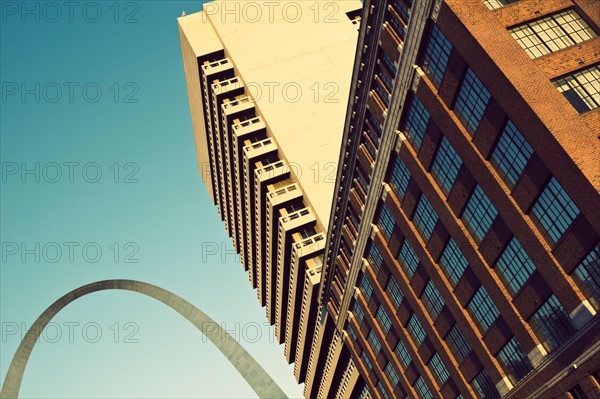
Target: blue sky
[99, 181]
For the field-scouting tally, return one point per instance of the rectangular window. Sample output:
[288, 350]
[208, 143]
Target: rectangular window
[381, 390]
[551, 324]
[479, 214]
[511, 155]
[402, 354]
[358, 312]
[352, 333]
[402, 10]
[408, 258]
[495, 4]
[374, 124]
[386, 222]
[416, 123]
[552, 33]
[484, 387]
[385, 78]
[515, 361]
[453, 262]
[366, 287]
[472, 100]
[366, 360]
[375, 344]
[440, 370]
[374, 257]
[400, 177]
[514, 266]
[483, 309]
[422, 390]
[446, 166]
[393, 291]
[391, 375]
[432, 300]
[554, 211]
[581, 89]
[398, 27]
[436, 55]
[587, 276]
[425, 218]
[416, 330]
[458, 343]
[383, 319]
[388, 62]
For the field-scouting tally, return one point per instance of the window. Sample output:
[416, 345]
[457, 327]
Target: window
[436, 55]
[515, 361]
[425, 218]
[388, 62]
[374, 124]
[446, 166]
[494, 4]
[416, 330]
[587, 276]
[391, 375]
[514, 266]
[551, 324]
[398, 27]
[453, 261]
[552, 33]
[386, 222]
[577, 392]
[393, 291]
[383, 319]
[374, 257]
[484, 387]
[366, 360]
[472, 100]
[432, 300]
[439, 368]
[483, 308]
[400, 177]
[424, 392]
[401, 10]
[416, 123]
[381, 90]
[375, 344]
[366, 287]
[458, 343]
[387, 81]
[479, 214]
[582, 89]
[358, 312]
[382, 391]
[352, 333]
[402, 354]
[408, 259]
[554, 211]
[511, 154]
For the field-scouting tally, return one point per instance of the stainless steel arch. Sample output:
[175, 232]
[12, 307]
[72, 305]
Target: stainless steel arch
[246, 365]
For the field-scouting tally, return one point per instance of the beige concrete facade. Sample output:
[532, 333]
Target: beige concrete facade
[268, 86]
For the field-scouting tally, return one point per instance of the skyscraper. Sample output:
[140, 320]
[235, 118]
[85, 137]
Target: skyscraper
[456, 252]
[268, 84]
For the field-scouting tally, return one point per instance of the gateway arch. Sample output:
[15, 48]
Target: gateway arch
[246, 365]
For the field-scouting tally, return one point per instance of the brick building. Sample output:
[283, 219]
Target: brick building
[463, 259]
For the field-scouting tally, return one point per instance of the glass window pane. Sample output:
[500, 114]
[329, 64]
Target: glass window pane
[472, 100]
[511, 155]
[554, 211]
[479, 214]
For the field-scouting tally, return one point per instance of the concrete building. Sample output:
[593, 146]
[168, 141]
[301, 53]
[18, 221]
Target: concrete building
[268, 86]
[463, 259]
[454, 253]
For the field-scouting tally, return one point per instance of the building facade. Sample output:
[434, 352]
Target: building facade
[454, 252]
[463, 255]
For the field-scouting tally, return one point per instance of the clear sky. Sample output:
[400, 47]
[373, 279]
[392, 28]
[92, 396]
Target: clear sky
[100, 181]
